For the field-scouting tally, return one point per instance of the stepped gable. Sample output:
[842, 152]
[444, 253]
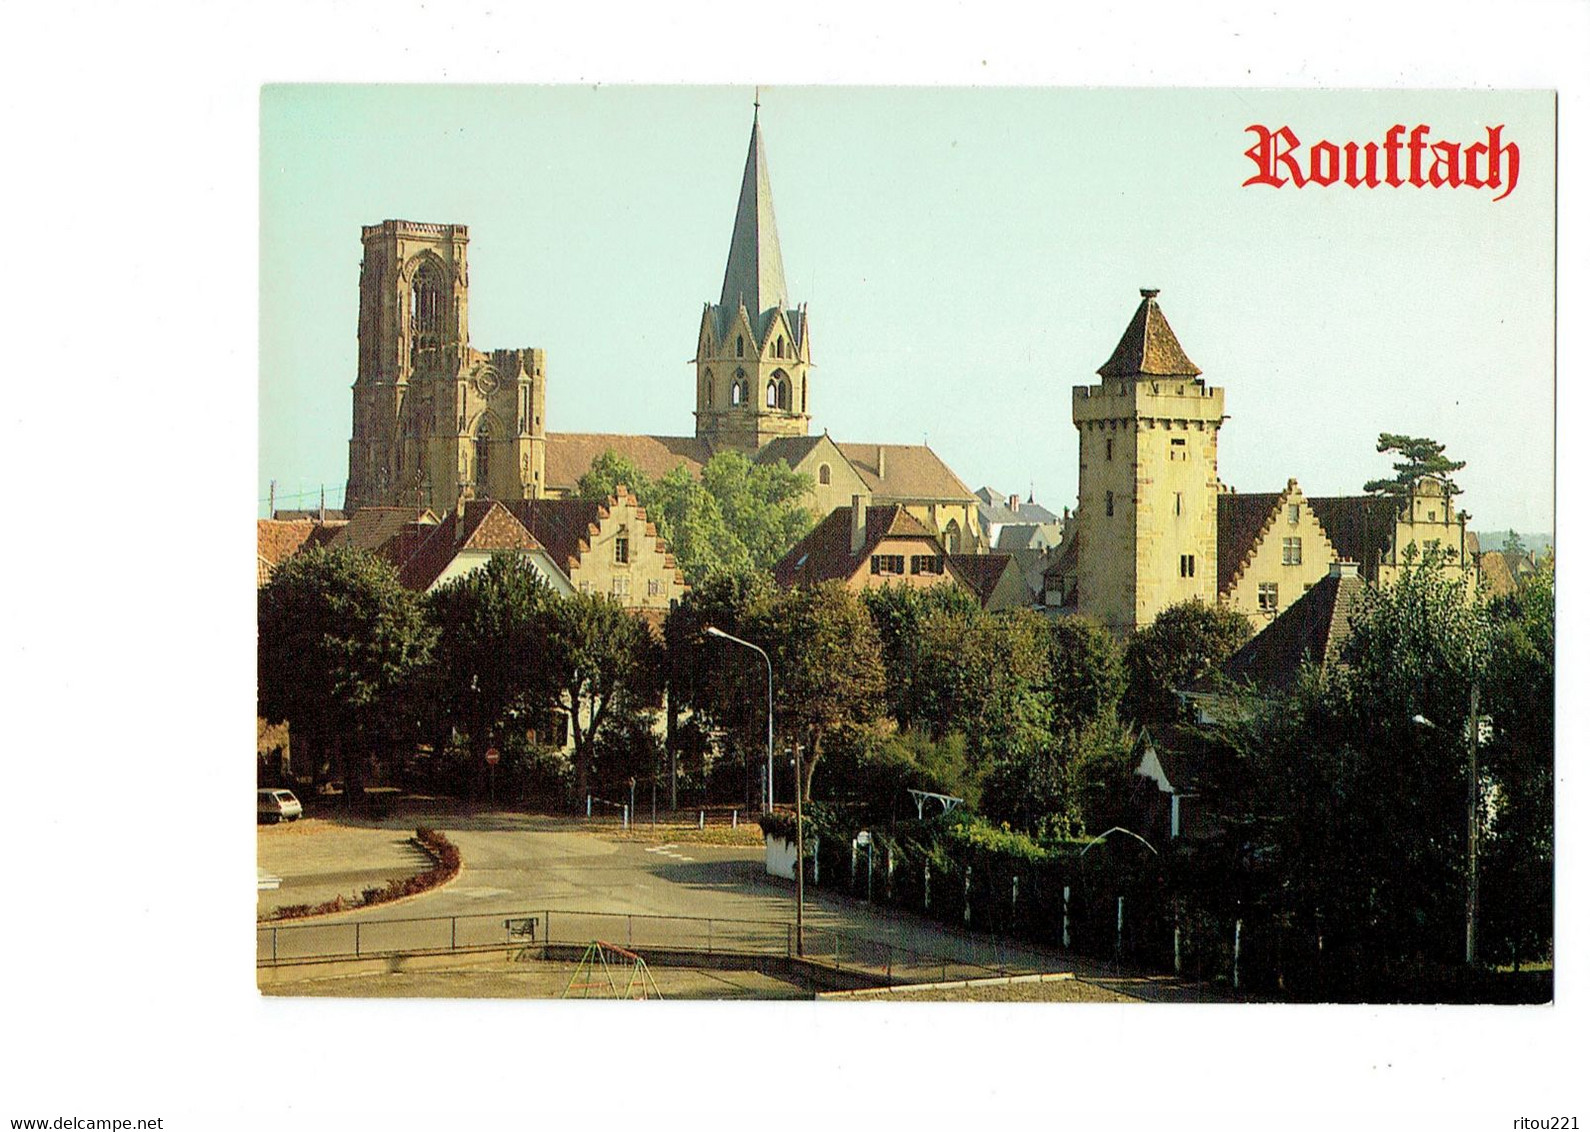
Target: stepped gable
[569, 455]
[1242, 519]
[1360, 527]
[1307, 633]
[1149, 347]
[824, 554]
[563, 526]
[484, 525]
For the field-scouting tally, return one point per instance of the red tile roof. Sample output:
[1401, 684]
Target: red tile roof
[983, 573]
[569, 455]
[1309, 632]
[910, 471]
[1149, 347]
[563, 526]
[484, 525]
[1240, 518]
[372, 528]
[825, 553]
[1360, 527]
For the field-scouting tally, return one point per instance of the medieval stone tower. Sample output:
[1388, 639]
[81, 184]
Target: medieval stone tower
[433, 419]
[1146, 478]
[753, 351]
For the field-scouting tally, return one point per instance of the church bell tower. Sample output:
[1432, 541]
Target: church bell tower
[434, 420]
[753, 351]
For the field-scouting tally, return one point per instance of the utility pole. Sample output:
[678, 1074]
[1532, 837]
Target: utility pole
[800, 862]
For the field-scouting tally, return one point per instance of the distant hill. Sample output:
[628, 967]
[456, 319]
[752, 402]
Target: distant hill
[1493, 540]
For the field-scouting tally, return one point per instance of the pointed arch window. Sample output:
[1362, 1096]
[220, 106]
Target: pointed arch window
[483, 454]
[772, 394]
[706, 389]
[825, 474]
[428, 307]
[739, 346]
[952, 537]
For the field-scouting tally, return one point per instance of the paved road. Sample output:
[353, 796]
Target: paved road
[525, 863]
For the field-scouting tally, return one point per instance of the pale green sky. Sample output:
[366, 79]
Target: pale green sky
[968, 256]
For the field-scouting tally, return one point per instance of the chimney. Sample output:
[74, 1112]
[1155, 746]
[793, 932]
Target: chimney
[1341, 569]
[881, 472]
[858, 522]
[1015, 502]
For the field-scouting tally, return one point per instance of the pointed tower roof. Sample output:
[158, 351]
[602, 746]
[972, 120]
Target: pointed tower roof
[1149, 347]
[755, 273]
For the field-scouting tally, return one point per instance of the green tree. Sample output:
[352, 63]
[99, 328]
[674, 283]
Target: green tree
[606, 472]
[1344, 805]
[599, 657]
[1185, 641]
[1087, 674]
[692, 521]
[723, 685]
[737, 516]
[1514, 543]
[1516, 873]
[763, 504]
[488, 669]
[828, 671]
[898, 612]
[340, 644]
[1421, 458]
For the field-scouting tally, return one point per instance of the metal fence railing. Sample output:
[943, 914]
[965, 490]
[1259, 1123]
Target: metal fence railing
[886, 961]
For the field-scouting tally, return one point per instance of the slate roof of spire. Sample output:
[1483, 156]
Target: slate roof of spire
[755, 272]
[1149, 347]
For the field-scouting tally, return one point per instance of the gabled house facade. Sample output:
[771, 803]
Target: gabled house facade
[465, 541]
[607, 548]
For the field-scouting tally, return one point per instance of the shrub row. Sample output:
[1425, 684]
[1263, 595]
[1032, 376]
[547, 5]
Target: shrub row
[446, 863]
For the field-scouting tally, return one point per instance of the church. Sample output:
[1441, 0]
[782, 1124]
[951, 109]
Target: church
[436, 421]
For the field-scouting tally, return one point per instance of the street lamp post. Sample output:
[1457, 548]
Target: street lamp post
[1471, 902]
[714, 631]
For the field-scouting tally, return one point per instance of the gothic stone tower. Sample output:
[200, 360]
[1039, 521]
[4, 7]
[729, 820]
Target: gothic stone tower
[753, 351]
[1146, 476]
[433, 419]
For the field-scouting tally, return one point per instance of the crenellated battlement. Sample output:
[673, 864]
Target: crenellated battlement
[458, 233]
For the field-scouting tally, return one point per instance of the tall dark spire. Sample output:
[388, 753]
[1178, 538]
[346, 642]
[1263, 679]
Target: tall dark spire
[755, 272]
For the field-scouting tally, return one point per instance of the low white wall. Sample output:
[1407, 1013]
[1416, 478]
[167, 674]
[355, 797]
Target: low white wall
[780, 857]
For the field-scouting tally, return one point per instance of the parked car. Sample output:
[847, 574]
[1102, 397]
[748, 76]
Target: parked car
[279, 805]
